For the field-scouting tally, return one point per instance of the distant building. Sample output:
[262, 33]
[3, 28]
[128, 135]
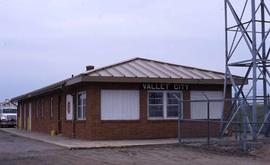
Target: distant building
[134, 99]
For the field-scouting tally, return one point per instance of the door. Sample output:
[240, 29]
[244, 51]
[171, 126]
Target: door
[59, 116]
[29, 120]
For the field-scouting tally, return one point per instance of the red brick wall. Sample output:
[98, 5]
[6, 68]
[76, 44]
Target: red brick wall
[40, 124]
[144, 128]
[95, 129]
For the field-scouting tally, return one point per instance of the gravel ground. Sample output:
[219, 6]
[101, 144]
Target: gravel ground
[20, 151]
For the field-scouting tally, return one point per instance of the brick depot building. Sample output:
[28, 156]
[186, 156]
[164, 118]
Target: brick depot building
[135, 99]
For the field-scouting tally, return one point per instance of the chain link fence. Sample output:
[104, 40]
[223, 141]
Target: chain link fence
[223, 122]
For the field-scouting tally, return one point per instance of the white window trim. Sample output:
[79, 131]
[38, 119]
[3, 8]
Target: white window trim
[165, 117]
[77, 106]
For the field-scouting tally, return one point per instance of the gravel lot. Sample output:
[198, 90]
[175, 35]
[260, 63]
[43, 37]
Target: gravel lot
[20, 151]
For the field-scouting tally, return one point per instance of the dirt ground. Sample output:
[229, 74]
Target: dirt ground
[20, 151]
[158, 155]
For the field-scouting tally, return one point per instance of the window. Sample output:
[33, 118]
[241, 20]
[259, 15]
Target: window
[199, 108]
[173, 104]
[120, 105]
[156, 103]
[81, 105]
[9, 111]
[51, 108]
[164, 104]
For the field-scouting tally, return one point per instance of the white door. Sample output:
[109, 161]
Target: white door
[30, 117]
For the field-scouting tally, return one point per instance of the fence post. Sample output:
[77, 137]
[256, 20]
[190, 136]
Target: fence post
[267, 121]
[179, 122]
[243, 106]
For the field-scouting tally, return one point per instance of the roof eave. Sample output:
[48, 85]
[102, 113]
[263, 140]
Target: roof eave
[149, 80]
[41, 91]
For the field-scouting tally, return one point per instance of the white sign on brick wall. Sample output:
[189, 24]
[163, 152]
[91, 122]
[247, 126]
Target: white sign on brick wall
[69, 107]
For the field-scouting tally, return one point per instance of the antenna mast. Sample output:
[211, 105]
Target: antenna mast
[247, 24]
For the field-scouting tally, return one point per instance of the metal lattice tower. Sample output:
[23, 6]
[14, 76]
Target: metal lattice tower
[247, 52]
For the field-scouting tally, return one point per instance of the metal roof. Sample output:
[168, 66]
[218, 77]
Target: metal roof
[138, 70]
[145, 68]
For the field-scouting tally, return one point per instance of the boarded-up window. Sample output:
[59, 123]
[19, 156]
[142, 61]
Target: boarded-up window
[120, 105]
[199, 108]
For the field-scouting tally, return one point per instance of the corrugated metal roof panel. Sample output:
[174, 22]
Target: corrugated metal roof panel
[201, 74]
[151, 70]
[115, 73]
[143, 70]
[188, 72]
[175, 72]
[125, 71]
[157, 69]
[215, 76]
[134, 70]
[104, 73]
[95, 74]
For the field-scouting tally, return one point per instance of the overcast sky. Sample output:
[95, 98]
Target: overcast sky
[42, 42]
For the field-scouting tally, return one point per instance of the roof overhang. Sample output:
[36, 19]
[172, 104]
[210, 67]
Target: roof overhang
[147, 80]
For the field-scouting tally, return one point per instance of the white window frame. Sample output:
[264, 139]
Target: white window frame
[51, 107]
[83, 106]
[165, 116]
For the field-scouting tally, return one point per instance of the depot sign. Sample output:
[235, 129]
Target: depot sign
[158, 86]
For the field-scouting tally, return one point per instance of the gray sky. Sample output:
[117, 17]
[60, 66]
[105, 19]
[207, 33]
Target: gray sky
[42, 42]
